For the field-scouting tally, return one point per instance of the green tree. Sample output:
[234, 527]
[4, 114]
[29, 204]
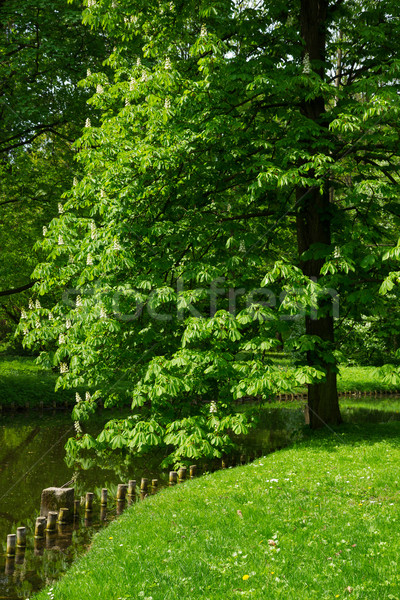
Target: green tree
[240, 180]
[45, 50]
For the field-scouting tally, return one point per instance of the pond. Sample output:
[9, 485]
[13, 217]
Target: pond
[32, 457]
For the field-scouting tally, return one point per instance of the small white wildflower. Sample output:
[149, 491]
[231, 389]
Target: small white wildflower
[116, 245]
[203, 31]
[167, 63]
[88, 123]
[99, 88]
[78, 301]
[64, 368]
[44, 230]
[88, 73]
[88, 397]
[213, 407]
[167, 104]
[61, 339]
[132, 85]
[50, 316]
[60, 208]
[68, 324]
[138, 62]
[31, 305]
[60, 240]
[23, 314]
[78, 427]
[78, 398]
[103, 314]
[89, 260]
[75, 181]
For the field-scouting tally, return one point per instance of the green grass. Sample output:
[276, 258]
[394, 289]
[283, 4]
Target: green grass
[23, 383]
[318, 520]
[363, 379]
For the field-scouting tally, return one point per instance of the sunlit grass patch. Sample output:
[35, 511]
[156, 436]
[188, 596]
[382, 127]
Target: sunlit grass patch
[319, 520]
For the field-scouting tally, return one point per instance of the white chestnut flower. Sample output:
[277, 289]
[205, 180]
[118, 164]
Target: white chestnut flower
[78, 301]
[103, 314]
[116, 245]
[89, 260]
[37, 304]
[23, 314]
[31, 305]
[167, 63]
[68, 324]
[60, 240]
[64, 368]
[88, 397]
[99, 88]
[213, 407]
[61, 339]
[167, 104]
[60, 208]
[45, 230]
[88, 123]
[75, 181]
[78, 427]
[78, 398]
[50, 316]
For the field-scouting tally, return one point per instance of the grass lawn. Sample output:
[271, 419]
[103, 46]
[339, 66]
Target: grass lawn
[23, 383]
[317, 520]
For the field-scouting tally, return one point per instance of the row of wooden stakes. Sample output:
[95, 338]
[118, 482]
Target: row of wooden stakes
[55, 520]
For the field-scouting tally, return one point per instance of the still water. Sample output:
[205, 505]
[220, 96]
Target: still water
[32, 457]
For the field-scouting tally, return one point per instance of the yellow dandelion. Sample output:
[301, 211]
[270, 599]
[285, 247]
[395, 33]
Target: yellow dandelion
[245, 577]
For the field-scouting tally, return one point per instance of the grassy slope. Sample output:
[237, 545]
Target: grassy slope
[320, 520]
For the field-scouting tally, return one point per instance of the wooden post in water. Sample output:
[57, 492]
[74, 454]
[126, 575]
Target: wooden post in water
[63, 515]
[39, 528]
[131, 491]
[104, 497]
[173, 478]
[51, 521]
[192, 471]
[21, 537]
[182, 474]
[121, 492]
[103, 512]
[144, 488]
[77, 504]
[11, 544]
[224, 463]
[89, 501]
[154, 486]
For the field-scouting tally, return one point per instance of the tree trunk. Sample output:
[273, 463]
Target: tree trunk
[313, 227]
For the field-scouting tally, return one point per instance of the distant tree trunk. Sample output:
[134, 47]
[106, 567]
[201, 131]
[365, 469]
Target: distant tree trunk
[313, 223]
